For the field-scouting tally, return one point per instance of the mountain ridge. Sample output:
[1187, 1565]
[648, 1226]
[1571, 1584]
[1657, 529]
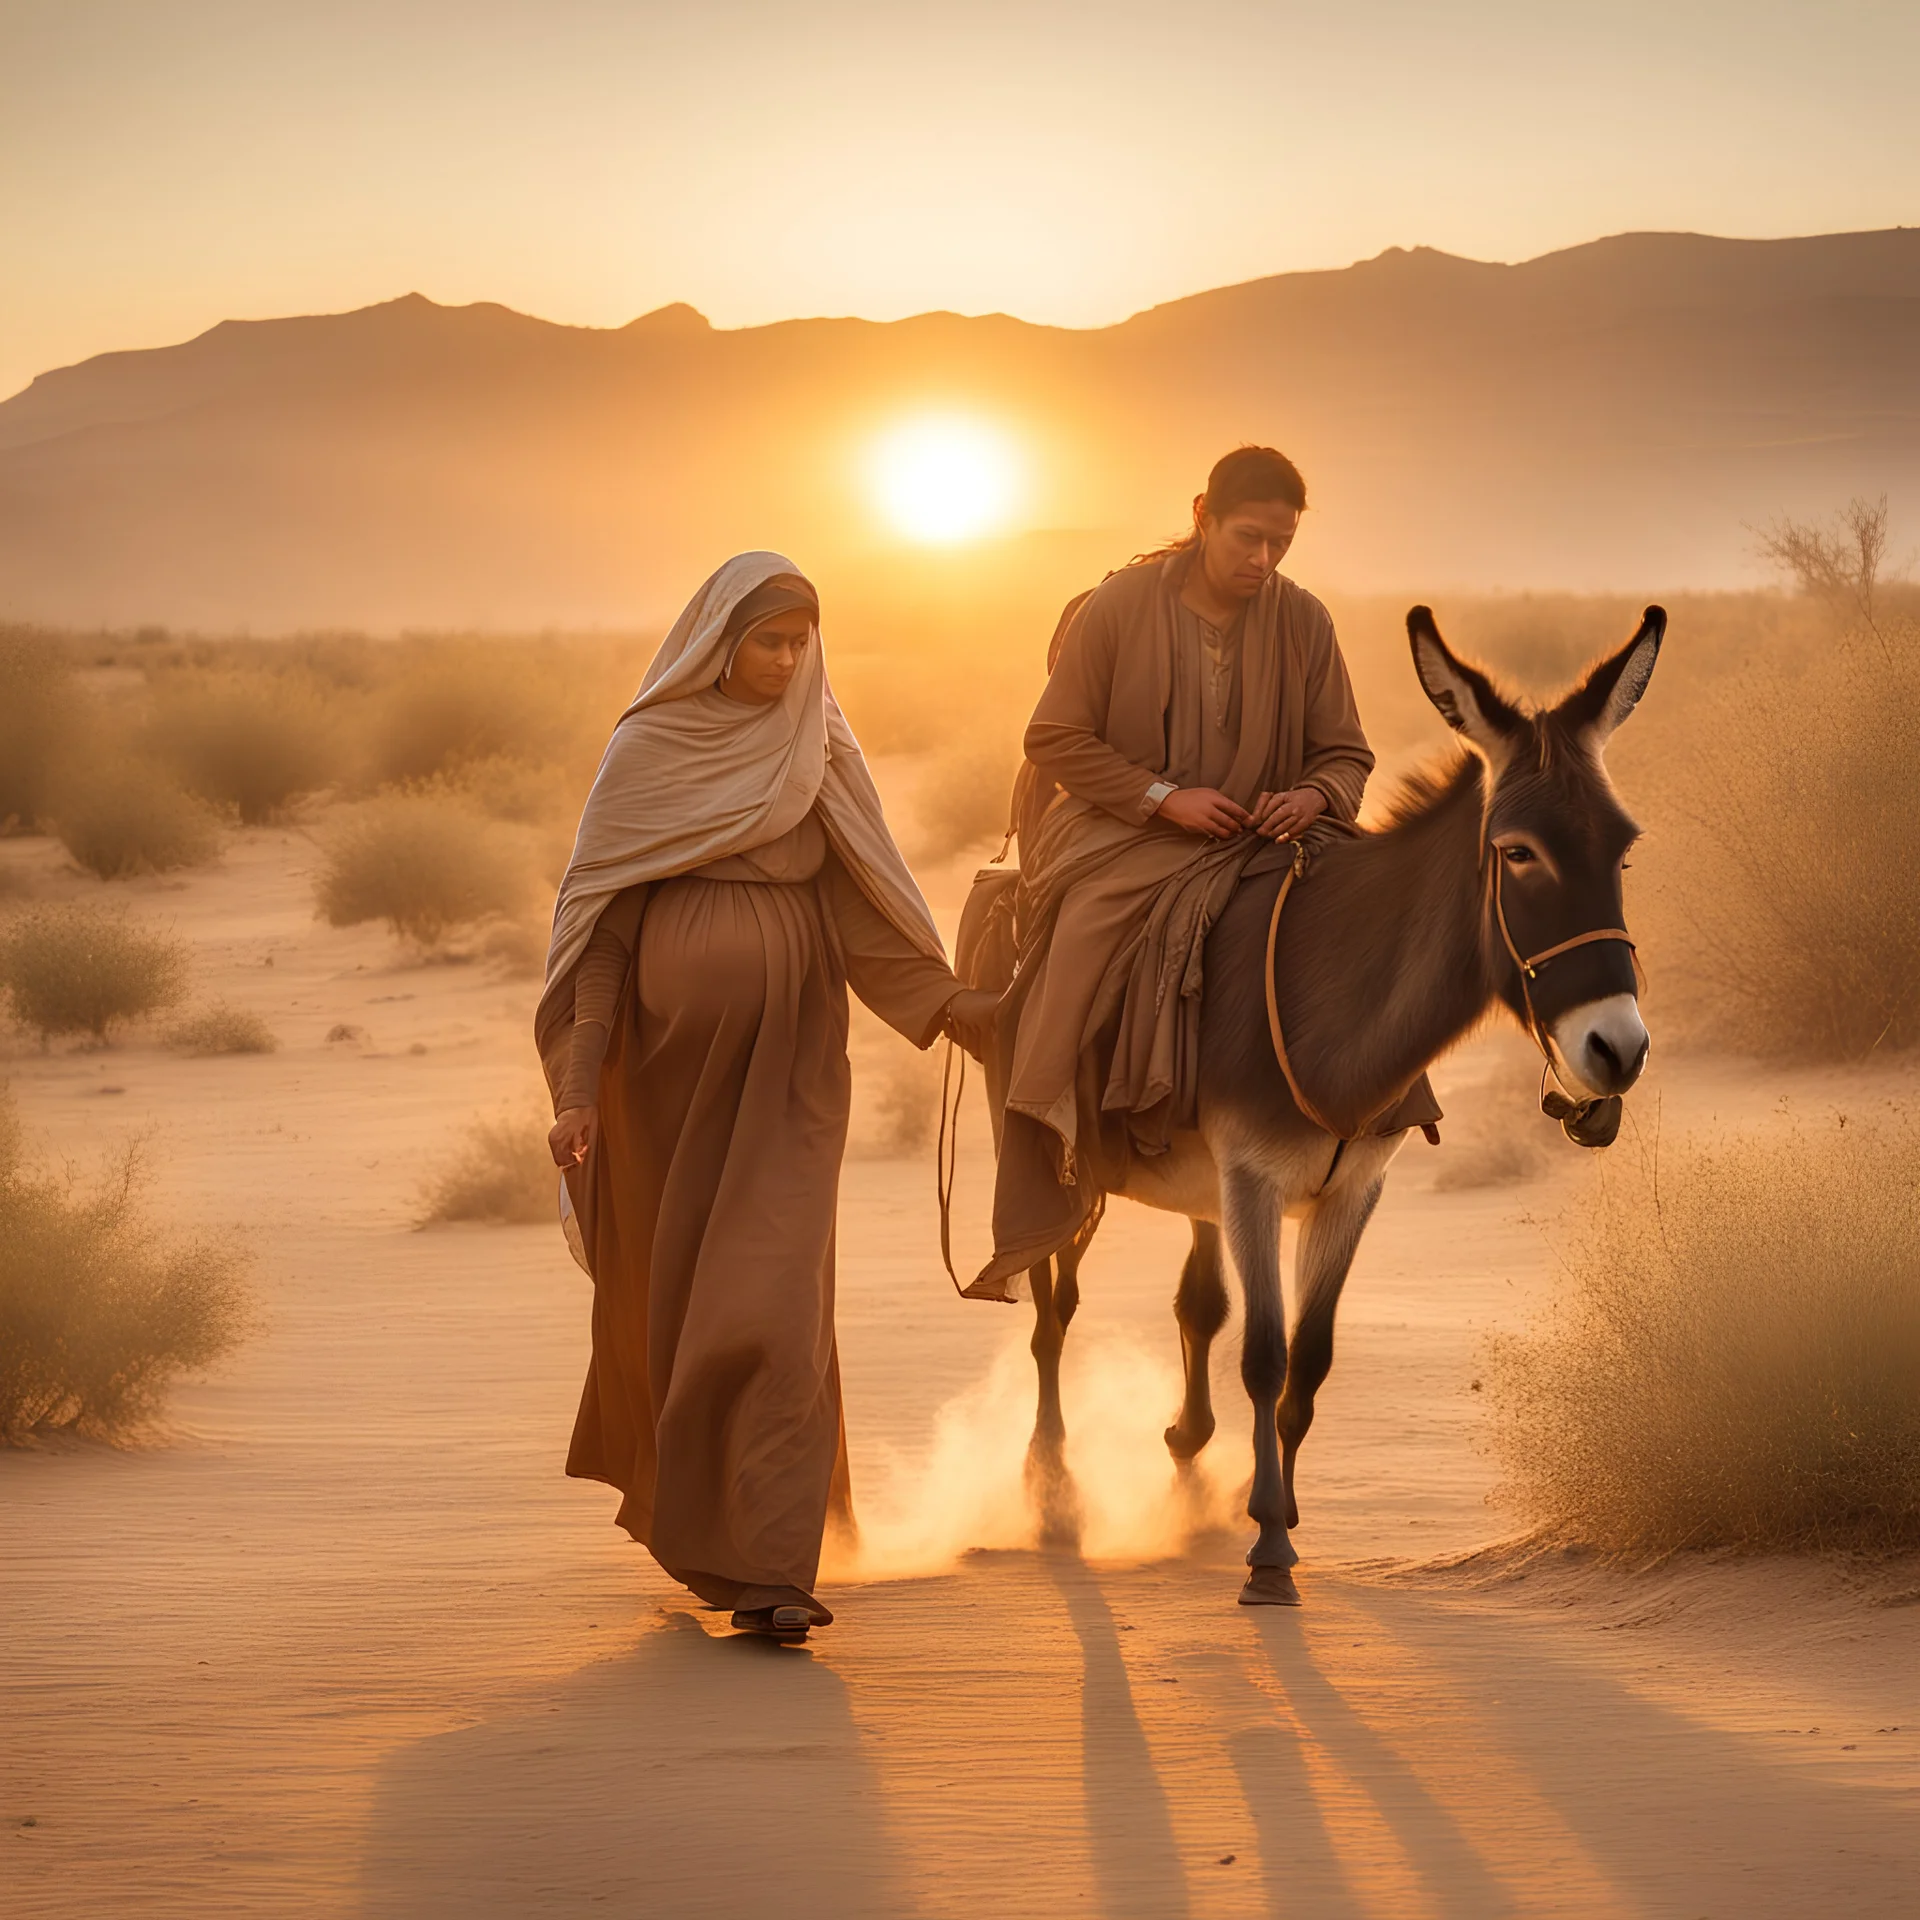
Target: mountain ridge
[1606, 414]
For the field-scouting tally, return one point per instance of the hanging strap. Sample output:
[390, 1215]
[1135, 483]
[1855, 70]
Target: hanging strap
[1530, 967]
[946, 1162]
[1300, 1099]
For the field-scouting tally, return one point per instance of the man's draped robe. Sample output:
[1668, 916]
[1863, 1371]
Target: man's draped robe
[1100, 1031]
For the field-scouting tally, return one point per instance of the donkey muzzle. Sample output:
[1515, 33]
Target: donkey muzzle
[1587, 1123]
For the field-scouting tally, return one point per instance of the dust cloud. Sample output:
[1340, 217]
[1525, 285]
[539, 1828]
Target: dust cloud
[968, 1490]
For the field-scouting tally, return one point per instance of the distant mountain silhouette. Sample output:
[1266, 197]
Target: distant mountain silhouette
[1613, 415]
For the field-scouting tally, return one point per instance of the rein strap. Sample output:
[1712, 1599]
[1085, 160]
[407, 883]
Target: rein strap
[1300, 1099]
[1529, 969]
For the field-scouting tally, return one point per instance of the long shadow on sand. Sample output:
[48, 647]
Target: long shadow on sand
[1451, 1872]
[1677, 1816]
[1129, 1828]
[690, 1776]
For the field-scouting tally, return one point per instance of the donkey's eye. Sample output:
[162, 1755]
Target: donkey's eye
[1517, 855]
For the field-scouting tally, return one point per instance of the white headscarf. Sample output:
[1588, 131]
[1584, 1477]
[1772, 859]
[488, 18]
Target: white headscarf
[687, 781]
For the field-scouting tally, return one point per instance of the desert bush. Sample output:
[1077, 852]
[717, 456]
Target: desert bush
[1733, 1362]
[100, 1309]
[964, 791]
[516, 790]
[220, 1028]
[454, 703]
[422, 863]
[1494, 1134]
[502, 1173]
[79, 969]
[251, 742]
[123, 816]
[38, 715]
[1793, 881]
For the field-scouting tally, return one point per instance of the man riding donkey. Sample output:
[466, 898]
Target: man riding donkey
[1197, 726]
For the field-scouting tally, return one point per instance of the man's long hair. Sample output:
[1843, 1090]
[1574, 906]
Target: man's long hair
[1247, 473]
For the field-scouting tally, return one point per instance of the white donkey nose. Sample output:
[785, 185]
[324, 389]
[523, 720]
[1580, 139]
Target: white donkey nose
[1601, 1047]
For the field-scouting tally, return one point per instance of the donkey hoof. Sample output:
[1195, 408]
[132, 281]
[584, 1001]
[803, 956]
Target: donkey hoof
[1269, 1587]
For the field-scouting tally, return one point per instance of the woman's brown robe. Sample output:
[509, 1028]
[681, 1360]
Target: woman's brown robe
[707, 1207]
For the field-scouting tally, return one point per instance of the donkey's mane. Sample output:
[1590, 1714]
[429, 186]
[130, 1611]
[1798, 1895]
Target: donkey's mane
[1423, 790]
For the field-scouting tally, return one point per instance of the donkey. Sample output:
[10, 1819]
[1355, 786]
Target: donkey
[1495, 881]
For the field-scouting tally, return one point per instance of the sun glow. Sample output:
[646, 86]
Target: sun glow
[943, 478]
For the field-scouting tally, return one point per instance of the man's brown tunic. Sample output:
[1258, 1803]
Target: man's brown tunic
[1114, 904]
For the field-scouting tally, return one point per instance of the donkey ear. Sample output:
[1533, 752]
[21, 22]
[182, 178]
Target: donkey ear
[1466, 698]
[1613, 689]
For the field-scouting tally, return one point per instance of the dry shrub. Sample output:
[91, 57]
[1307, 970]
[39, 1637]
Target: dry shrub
[39, 708]
[254, 743]
[1795, 889]
[424, 864]
[1494, 1134]
[79, 969]
[123, 816]
[1733, 1363]
[896, 1090]
[220, 1028]
[502, 1174]
[516, 790]
[964, 791]
[455, 703]
[100, 1309]
[518, 947]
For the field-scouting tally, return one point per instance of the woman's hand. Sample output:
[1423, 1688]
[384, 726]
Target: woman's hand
[1204, 810]
[1283, 816]
[572, 1135]
[969, 1020]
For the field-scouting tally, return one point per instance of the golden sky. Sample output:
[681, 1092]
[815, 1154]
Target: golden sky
[165, 164]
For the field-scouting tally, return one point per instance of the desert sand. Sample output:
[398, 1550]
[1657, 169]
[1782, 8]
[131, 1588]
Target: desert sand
[342, 1639]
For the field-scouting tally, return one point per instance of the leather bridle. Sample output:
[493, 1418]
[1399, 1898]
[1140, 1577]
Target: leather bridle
[1560, 1104]
[1570, 1109]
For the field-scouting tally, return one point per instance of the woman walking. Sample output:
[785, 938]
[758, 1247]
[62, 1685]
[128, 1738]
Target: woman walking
[732, 876]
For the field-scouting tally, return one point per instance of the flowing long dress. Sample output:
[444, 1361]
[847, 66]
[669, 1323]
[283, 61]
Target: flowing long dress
[707, 1206]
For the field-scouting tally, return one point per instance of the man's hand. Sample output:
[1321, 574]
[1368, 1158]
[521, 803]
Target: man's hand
[1204, 810]
[572, 1134]
[1283, 816]
[969, 1020]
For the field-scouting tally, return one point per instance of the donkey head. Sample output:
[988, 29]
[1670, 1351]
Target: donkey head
[1556, 840]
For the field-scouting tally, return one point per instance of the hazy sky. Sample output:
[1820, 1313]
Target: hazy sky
[165, 164]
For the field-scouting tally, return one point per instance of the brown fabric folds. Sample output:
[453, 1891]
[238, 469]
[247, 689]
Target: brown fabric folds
[691, 777]
[784, 593]
[1113, 911]
[707, 1209]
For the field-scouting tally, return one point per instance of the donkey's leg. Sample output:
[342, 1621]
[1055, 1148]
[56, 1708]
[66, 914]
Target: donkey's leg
[1251, 1214]
[1200, 1308]
[1049, 1337]
[1056, 1293]
[1329, 1238]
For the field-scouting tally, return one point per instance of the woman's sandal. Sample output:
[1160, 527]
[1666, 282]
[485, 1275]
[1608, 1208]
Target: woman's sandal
[781, 1613]
[788, 1624]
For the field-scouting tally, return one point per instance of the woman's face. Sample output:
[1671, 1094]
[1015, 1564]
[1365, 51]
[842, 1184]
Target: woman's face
[765, 662]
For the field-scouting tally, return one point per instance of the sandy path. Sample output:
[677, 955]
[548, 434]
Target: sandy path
[350, 1644]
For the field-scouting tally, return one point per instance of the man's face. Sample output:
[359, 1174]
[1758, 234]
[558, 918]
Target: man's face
[1243, 547]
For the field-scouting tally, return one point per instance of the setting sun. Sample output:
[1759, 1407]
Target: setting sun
[942, 479]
